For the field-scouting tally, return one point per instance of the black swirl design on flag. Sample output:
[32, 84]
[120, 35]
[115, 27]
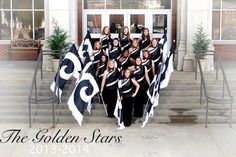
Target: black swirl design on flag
[84, 92]
[85, 50]
[69, 66]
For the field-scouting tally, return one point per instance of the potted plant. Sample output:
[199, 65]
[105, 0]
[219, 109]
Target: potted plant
[57, 43]
[201, 45]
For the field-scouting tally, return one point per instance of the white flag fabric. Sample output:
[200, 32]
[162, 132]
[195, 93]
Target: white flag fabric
[118, 113]
[85, 48]
[164, 45]
[86, 87]
[81, 96]
[153, 96]
[167, 70]
[71, 65]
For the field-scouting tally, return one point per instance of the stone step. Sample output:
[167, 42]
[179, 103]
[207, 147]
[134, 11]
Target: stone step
[105, 120]
[163, 99]
[58, 119]
[67, 93]
[101, 112]
[190, 119]
[175, 77]
[167, 106]
[5, 88]
[45, 84]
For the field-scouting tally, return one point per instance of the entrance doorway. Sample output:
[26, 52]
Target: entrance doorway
[136, 19]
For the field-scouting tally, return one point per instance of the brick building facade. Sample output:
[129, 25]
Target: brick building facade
[182, 19]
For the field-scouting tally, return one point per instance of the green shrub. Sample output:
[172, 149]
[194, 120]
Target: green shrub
[57, 42]
[201, 42]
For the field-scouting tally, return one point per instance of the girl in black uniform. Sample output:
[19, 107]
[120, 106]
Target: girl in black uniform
[140, 74]
[102, 65]
[105, 39]
[114, 53]
[97, 54]
[145, 39]
[124, 38]
[109, 87]
[148, 63]
[127, 94]
[155, 53]
[124, 61]
[134, 51]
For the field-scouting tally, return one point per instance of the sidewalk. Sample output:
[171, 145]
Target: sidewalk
[162, 140]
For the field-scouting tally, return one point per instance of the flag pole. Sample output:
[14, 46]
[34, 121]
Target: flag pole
[95, 77]
[145, 116]
[145, 109]
[104, 105]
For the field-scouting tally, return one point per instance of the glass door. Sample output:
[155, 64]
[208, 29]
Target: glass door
[155, 20]
[136, 22]
[94, 22]
[115, 19]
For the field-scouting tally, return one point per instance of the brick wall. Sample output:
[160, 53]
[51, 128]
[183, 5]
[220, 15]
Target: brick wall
[17, 54]
[227, 51]
[4, 48]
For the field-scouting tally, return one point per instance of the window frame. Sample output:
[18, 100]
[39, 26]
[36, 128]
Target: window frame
[32, 10]
[105, 6]
[221, 10]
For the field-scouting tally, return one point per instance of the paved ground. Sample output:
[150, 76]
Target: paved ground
[163, 140]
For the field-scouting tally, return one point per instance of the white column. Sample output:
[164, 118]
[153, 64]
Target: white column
[46, 65]
[59, 10]
[73, 21]
[198, 12]
[181, 32]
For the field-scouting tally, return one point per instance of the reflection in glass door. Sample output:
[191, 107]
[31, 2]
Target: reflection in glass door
[116, 22]
[94, 23]
[137, 23]
[159, 23]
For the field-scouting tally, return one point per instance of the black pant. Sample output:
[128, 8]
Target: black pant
[150, 75]
[110, 97]
[127, 107]
[140, 100]
[138, 104]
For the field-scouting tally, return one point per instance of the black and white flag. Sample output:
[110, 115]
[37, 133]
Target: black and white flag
[167, 70]
[164, 45]
[85, 48]
[118, 113]
[71, 65]
[86, 87]
[153, 95]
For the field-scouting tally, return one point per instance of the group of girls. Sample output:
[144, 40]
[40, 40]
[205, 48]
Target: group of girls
[125, 68]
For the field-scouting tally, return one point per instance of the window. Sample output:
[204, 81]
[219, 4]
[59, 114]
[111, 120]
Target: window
[216, 25]
[5, 24]
[4, 4]
[137, 23]
[113, 4]
[229, 4]
[158, 4]
[22, 4]
[127, 4]
[159, 23]
[94, 4]
[22, 19]
[116, 23]
[94, 23]
[224, 20]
